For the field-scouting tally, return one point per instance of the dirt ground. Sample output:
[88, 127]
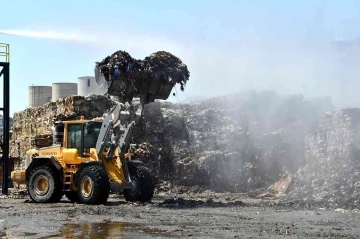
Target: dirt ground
[199, 216]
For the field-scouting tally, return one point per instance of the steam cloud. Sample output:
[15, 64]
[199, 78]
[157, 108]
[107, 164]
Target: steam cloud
[252, 62]
[55, 35]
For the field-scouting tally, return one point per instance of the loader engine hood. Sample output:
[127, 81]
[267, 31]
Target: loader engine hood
[149, 79]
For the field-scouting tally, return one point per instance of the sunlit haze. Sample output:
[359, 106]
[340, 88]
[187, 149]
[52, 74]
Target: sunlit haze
[306, 47]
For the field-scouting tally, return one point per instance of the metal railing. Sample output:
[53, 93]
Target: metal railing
[5, 52]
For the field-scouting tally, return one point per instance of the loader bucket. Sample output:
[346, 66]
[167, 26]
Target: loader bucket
[147, 89]
[150, 79]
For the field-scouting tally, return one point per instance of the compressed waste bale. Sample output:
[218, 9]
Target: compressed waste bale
[231, 143]
[127, 77]
[331, 176]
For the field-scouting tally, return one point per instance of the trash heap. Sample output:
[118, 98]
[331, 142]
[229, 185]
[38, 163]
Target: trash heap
[233, 143]
[331, 176]
[127, 77]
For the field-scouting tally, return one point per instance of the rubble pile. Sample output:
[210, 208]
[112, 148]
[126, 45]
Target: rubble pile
[39, 120]
[332, 172]
[232, 143]
[127, 77]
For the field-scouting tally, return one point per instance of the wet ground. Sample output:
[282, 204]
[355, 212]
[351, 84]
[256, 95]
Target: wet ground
[215, 216]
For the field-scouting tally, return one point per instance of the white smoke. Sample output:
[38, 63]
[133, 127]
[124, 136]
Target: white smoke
[251, 62]
[142, 44]
[74, 36]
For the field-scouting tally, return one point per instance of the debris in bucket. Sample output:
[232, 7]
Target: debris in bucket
[127, 77]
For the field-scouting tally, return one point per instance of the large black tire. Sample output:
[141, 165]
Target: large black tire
[45, 185]
[144, 185]
[93, 185]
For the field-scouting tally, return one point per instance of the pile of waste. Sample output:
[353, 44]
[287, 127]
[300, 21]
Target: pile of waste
[331, 176]
[233, 143]
[127, 77]
[142, 151]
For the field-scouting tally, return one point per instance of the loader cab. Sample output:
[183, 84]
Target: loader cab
[80, 136]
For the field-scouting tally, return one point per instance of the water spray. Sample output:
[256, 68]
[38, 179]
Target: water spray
[54, 35]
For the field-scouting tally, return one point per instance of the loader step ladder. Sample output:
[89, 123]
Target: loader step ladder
[68, 179]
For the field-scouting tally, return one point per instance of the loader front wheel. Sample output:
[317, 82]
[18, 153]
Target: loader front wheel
[45, 185]
[143, 186]
[93, 185]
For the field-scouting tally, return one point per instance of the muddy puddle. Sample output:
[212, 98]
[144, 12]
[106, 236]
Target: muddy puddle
[114, 230]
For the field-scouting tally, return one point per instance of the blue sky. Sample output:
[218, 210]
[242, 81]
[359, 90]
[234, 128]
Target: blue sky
[229, 46]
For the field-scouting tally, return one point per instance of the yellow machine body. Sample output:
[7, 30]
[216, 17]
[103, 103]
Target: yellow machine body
[70, 159]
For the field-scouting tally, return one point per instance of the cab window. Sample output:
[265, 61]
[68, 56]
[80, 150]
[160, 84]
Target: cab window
[90, 136]
[74, 136]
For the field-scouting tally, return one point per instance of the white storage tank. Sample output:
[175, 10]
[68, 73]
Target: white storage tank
[60, 90]
[87, 85]
[39, 95]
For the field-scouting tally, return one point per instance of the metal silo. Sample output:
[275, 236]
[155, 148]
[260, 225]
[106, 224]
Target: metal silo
[60, 90]
[39, 95]
[87, 85]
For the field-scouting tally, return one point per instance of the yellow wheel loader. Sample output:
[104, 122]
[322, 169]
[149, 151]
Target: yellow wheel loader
[86, 162]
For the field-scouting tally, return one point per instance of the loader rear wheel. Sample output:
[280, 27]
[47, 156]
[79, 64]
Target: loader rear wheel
[93, 185]
[45, 185]
[143, 189]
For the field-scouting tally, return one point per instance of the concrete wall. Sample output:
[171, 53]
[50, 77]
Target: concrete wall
[87, 86]
[60, 90]
[39, 95]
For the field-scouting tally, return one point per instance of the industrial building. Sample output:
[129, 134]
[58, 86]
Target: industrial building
[60, 90]
[39, 95]
[87, 85]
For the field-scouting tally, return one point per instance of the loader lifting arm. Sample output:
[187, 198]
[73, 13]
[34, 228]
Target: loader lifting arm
[113, 132]
[114, 135]
[126, 79]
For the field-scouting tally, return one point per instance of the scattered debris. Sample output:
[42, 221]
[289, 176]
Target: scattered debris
[191, 203]
[16, 194]
[278, 189]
